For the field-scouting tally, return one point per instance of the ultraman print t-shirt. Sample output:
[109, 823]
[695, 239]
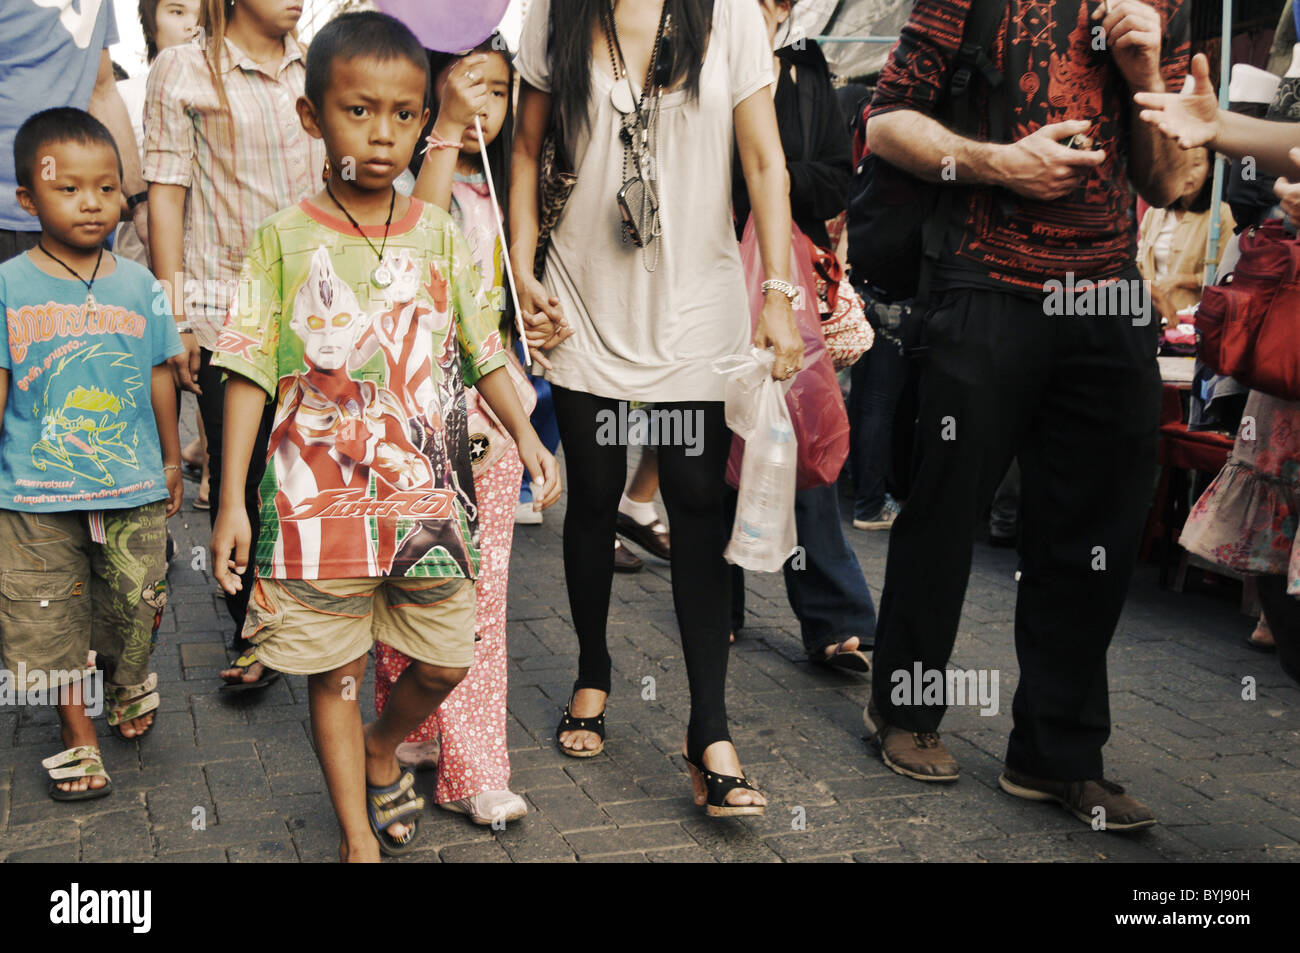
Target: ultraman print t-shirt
[368, 468]
[79, 430]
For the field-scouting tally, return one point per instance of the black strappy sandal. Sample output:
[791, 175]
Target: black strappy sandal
[390, 804]
[718, 787]
[596, 725]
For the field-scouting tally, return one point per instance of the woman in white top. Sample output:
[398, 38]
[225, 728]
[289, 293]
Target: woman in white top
[647, 97]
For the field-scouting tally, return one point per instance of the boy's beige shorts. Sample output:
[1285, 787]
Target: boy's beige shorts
[310, 626]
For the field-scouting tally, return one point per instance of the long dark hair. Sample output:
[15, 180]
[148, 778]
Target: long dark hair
[497, 152]
[569, 51]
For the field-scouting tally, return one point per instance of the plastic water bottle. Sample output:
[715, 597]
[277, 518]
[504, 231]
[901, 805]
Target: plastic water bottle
[766, 500]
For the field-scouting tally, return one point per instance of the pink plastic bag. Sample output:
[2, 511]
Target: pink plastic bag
[816, 405]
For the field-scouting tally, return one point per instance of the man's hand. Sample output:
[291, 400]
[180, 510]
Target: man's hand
[778, 331]
[1190, 119]
[185, 366]
[175, 490]
[1133, 34]
[543, 469]
[1039, 167]
[231, 537]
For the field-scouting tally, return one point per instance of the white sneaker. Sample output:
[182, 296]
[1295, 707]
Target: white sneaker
[527, 516]
[490, 806]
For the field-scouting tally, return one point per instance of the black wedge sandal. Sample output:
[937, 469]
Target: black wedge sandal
[595, 724]
[718, 787]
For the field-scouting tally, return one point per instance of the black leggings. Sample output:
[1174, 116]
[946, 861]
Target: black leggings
[693, 492]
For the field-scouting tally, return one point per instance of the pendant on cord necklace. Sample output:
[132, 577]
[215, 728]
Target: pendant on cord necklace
[382, 276]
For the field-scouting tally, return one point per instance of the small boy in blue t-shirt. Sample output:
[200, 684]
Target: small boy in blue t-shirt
[89, 417]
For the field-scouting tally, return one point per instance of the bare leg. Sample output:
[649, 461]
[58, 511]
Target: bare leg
[78, 730]
[340, 745]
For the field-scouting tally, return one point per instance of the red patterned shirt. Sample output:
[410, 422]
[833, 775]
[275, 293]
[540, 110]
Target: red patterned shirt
[1044, 49]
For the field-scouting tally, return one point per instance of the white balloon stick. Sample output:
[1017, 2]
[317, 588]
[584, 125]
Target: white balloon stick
[505, 252]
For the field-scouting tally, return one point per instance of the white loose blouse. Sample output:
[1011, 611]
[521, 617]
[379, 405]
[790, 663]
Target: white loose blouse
[640, 335]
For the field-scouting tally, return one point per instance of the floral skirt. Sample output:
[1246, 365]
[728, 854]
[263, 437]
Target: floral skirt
[1246, 519]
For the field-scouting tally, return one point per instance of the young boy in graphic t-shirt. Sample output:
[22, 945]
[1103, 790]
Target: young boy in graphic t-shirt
[360, 315]
[89, 417]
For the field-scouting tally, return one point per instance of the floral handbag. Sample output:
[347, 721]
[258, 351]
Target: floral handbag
[844, 323]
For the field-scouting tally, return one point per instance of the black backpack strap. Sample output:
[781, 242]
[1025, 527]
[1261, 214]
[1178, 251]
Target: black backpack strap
[982, 22]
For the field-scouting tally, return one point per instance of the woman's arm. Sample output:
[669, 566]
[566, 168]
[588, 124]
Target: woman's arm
[759, 142]
[541, 312]
[166, 232]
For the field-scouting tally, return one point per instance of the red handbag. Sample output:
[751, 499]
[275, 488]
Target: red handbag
[821, 424]
[1249, 326]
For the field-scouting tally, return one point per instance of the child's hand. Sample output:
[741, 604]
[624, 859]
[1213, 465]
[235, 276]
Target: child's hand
[175, 491]
[544, 325]
[543, 469]
[231, 536]
[464, 94]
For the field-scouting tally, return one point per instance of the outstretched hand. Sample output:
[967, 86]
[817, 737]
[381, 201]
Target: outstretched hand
[1190, 119]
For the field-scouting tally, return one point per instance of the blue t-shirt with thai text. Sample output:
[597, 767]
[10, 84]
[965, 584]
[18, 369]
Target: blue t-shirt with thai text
[79, 430]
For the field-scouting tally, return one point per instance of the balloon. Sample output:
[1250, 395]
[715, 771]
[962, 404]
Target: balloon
[446, 26]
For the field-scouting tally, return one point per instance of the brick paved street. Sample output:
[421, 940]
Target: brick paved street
[1221, 773]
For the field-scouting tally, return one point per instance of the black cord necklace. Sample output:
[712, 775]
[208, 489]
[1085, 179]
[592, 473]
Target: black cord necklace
[91, 305]
[382, 275]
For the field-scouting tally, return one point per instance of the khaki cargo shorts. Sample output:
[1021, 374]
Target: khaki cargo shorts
[310, 626]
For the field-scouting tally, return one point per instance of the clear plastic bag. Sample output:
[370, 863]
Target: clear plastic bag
[764, 534]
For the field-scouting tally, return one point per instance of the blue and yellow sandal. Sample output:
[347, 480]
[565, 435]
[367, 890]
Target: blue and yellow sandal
[391, 804]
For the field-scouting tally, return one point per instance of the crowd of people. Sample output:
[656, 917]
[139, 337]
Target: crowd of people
[322, 242]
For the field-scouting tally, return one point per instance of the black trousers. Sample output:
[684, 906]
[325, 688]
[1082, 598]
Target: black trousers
[1283, 614]
[693, 489]
[212, 408]
[1077, 400]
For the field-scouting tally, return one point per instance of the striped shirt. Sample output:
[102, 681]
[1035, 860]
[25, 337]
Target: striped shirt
[187, 141]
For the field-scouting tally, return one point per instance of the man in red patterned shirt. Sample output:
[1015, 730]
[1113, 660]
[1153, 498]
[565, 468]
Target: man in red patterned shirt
[1039, 345]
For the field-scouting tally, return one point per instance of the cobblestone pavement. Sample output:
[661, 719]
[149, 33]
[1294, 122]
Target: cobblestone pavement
[1221, 772]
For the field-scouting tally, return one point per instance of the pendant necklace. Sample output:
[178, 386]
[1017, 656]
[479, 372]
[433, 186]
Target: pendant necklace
[381, 276]
[91, 306]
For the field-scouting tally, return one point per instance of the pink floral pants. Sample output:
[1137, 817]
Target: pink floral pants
[471, 722]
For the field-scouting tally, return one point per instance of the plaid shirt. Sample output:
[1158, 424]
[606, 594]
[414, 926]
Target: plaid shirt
[187, 141]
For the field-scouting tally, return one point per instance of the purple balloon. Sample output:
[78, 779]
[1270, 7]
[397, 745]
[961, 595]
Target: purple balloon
[446, 26]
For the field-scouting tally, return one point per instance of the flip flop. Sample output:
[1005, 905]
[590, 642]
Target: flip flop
[855, 661]
[245, 662]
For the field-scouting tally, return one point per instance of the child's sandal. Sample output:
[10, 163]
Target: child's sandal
[718, 787]
[128, 702]
[57, 766]
[391, 804]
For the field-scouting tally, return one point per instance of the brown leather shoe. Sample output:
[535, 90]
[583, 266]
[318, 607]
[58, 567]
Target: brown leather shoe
[624, 559]
[913, 754]
[1119, 812]
[652, 537]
